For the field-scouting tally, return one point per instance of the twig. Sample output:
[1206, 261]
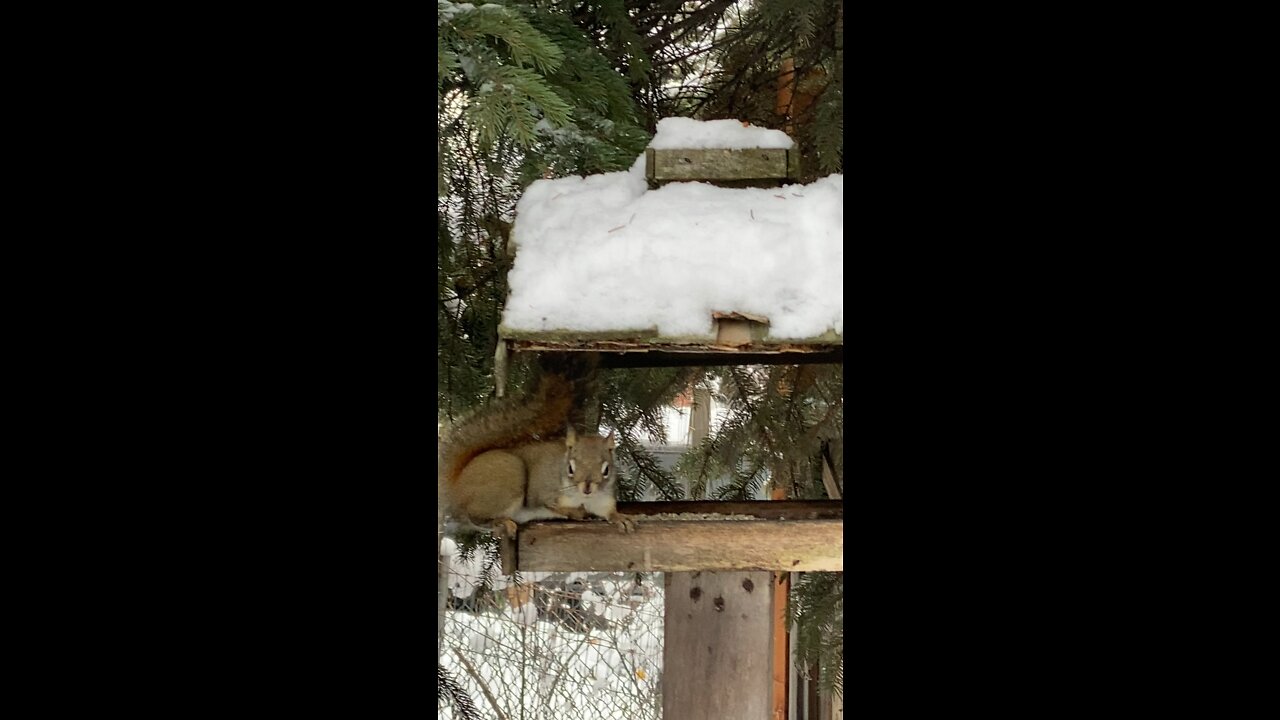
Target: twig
[484, 688]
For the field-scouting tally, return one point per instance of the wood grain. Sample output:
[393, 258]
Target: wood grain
[718, 164]
[716, 646]
[763, 509]
[683, 545]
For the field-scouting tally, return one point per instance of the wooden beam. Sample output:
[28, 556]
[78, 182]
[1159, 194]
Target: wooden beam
[763, 509]
[683, 545]
[620, 353]
[705, 359]
[716, 164]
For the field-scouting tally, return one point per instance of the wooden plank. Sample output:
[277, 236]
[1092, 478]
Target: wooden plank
[620, 355]
[442, 566]
[780, 583]
[718, 164]
[689, 359]
[763, 509]
[521, 340]
[716, 642]
[781, 587]
[683, 545]
[507, 553]
[442, 582]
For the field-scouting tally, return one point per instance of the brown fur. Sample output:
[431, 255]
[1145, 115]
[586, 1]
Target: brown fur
[519, 458]
[508, 423]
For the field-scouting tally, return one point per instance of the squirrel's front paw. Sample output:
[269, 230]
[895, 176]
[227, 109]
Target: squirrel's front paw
[624, 522]
[504, 528]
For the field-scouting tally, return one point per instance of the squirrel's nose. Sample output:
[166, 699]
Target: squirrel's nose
[586, 489]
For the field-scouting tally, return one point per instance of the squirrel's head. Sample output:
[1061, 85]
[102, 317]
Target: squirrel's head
[589, 461]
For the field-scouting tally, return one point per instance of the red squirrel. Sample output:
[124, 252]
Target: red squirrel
[514, 461]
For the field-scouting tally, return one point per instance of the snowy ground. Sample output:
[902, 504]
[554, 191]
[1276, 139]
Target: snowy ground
[562, 645]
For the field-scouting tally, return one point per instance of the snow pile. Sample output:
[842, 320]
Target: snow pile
[679, 133]
[605, 253]
[448, 10]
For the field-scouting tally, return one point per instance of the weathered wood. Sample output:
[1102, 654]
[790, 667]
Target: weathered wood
[507, 554]
[615, 354]
[689, 359]
[442, 567]
[786, 90]
[763, 509]
[733, 332]
[718, 164]
[621, 336]
[716, 646]
[780, 636]
[735, 329]
[634, 340]
[829, 479]
[682, 545]
[780, 586]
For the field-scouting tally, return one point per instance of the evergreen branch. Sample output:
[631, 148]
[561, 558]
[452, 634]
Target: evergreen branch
[448, 687]
[522, 42]
[649, 472]
[816, 606]
[710, 12]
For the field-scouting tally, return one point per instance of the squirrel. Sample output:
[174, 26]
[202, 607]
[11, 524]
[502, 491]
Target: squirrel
[517, 461]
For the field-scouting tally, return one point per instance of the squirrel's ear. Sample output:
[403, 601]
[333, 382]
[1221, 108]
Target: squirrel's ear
[570, 437]
[610, 442]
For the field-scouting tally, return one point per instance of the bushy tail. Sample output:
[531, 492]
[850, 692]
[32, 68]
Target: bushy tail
[515, 421]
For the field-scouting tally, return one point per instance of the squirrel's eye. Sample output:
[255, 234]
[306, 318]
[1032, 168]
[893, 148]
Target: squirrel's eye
[604, 470]
[571, 468]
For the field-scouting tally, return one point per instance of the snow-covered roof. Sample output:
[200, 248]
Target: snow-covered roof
[679, 133]
[606, 255]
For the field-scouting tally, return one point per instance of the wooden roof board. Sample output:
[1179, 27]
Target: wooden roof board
[618, 354]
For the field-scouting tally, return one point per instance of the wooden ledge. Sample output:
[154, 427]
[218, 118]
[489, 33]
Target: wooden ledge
[762, 509]
[664, 545]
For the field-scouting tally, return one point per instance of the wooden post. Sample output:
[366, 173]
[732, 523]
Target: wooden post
[699, 425]
[442, 595]
[781, 646]
[786, 89]
[780, 584]
[699, 417]
[442, 569]
[716, 646]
